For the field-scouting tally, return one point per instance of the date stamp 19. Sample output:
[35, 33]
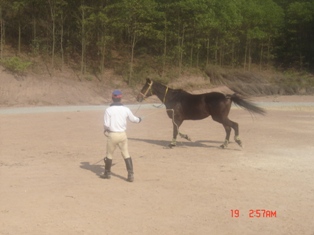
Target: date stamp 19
[257, 213]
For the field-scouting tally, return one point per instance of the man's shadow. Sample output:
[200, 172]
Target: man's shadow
[198, 143]
[98, 170]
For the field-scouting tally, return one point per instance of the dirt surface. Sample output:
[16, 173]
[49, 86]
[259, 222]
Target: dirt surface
[50, 164]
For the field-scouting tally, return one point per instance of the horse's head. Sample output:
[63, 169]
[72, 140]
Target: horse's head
[146, 91]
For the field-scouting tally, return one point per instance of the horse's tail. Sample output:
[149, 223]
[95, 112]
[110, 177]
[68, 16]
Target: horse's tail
[242, 102]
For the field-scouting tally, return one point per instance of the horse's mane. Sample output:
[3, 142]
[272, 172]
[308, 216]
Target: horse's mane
[179, 91]
[175, 91]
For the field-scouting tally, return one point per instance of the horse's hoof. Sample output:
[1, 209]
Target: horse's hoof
[225, 144]
[239, 142]
[171, 145]
[184, 136]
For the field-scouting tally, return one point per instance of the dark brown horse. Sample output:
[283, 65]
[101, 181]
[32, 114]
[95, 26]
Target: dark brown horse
[181, 105]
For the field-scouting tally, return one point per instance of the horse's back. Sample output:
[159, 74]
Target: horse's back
[200, 106]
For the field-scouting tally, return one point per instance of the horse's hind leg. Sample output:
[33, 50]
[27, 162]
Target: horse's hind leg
[228, 131]
[228, 124]
[235, 127]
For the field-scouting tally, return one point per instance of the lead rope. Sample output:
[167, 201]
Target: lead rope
[138, 108]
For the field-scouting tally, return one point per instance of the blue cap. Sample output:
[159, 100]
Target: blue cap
[117, 94]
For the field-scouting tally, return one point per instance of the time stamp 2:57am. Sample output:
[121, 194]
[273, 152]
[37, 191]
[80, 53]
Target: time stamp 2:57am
[257, 213]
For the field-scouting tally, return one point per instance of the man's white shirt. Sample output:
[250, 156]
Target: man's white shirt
[115, 118]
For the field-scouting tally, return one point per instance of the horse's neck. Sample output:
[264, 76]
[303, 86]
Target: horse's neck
[160, 91]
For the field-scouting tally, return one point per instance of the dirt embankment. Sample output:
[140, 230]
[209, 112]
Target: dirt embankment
[262, 83]
[61, 89]
[66, 88]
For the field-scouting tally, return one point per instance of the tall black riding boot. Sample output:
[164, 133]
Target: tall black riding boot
[108, 163]
[129, 167]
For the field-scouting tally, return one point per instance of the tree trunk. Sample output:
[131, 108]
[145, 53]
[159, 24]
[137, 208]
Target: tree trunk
[102, 52]
[53, 33]
[2, 32]
[19, 41]
[83, 44]
[165, 51]
[132, 58]
[181, 42]
[221, 54]
[245, 54]
[197, 57]
[268, 52]
[216, 51]
[207, 52]
[261, 57]
[249, 55]
[232, 55]
[191, 55]
[61, 42]
[35, 46]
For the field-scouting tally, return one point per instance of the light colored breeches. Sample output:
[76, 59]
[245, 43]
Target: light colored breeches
[119, 139]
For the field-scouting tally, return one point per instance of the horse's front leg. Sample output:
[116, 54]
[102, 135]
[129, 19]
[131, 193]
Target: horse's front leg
[176, 124]
[175, 131]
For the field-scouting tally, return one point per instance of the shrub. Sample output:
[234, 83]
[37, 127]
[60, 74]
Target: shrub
[15, 64]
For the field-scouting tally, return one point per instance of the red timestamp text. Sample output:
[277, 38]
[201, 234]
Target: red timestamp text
[257, 213]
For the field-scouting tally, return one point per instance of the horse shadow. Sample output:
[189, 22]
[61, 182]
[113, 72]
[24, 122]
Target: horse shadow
[99, 169]
[198, 143]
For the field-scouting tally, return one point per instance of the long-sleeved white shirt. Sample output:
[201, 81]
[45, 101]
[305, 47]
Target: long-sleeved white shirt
[115, 118]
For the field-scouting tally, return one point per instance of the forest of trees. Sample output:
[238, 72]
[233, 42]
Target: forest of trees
[181, 33]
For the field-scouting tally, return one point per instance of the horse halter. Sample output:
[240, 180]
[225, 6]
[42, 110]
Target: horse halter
[149, 88]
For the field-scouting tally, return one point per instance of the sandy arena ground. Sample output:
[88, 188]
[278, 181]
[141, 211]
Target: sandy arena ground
[50, 164]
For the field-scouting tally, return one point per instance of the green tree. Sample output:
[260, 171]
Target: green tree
[226, 31]
[17, 9]
[100, 35]
[56, 14]
[135, 18]
[2, 30]
[300, 22]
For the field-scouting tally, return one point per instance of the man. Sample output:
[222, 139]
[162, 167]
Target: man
[115, 122]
